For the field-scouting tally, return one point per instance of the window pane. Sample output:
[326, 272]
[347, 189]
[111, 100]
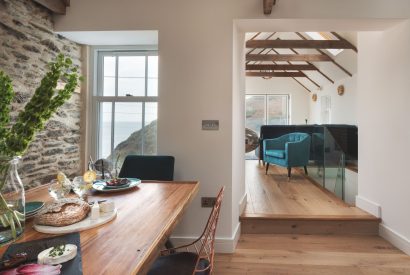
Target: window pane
[128, 120]
[127, 134]
[131, 86]
[278, 109]
[105, 130]
[255, 112]
[150, 131]
[131, 75]
[152, 75]
[109, 76]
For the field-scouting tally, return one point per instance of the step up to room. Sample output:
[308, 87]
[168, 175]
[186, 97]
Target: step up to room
[326, 224]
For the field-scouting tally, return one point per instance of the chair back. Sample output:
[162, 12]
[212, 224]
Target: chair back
[296, 136]
[148, 167]
[206, 242]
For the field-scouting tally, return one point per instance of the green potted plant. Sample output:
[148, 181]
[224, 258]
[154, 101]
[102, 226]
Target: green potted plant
[16, 138]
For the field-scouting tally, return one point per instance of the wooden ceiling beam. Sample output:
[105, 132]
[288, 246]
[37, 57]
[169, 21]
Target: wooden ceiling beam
[311, 80]
[56, 6]
[338, 36]
[288, 57]
[272, 34]
[276, 74]
[268, 6]
[273, 67]
[331, 59]
[300, 44]
[300, 83]
[316, 68]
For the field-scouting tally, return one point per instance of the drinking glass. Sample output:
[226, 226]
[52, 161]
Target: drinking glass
[80, 187]
[59, 190]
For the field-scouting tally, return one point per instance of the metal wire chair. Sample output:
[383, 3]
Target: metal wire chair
[204, 245]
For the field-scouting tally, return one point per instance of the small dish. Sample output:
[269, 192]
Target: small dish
[116, 183]
[100, 185]
[106, 186]
[33, 207]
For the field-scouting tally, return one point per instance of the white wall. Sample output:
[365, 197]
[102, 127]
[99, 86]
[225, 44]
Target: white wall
[238, 130]
[384, 139]
[299, 97]
[343, 108]
[195, 75]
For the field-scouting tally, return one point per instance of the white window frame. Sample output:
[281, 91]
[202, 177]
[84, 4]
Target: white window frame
[96, 59]
[289, 117]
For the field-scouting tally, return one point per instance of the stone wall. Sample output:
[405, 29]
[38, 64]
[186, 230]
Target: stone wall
[27, 44]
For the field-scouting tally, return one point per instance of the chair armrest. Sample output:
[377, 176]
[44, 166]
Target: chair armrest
[298, 150]
[273, 144]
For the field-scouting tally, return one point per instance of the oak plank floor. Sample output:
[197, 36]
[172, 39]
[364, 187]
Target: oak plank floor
[273, 195]
[312, 254]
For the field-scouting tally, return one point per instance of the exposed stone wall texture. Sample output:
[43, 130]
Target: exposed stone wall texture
[27, 44]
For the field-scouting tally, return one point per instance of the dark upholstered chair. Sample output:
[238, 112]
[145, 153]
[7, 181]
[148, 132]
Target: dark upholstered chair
[193, 259]
[148, 167]
[290, 150]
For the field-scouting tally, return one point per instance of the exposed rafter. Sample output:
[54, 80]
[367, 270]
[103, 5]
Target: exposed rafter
[317, 69]
[300, 44]
[331, 59]
[301, 84]
[264, 51]
[288, 57]
[311, 80]
[251, 50]
[275, 67]
[268, 6]
[276, 74]
[56, 6]
[353, 47]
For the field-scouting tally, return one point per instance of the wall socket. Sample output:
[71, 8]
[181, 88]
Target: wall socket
[208, 202]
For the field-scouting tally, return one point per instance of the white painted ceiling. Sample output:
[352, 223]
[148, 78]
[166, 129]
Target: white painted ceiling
[110, 38]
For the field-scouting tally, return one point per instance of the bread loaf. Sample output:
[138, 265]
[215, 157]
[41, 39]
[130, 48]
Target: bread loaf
[63, 212]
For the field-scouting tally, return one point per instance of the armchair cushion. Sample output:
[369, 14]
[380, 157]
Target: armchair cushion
[276, 153]
[181, 263]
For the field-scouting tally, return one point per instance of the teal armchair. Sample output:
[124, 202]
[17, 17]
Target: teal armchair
[290, 150]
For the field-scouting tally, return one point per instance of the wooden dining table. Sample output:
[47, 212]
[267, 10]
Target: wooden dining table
[130, 243]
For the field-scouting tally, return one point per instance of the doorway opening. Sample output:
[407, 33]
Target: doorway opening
[292, 84]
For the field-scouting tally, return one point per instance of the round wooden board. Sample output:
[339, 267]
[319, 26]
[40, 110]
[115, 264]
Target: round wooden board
[85, 224]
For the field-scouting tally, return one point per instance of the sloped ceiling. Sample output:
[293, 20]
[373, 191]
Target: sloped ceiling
[312, 75]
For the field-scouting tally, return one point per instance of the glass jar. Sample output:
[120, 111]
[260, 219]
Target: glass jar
[12, 200]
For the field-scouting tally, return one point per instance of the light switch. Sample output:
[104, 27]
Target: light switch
[212, 125]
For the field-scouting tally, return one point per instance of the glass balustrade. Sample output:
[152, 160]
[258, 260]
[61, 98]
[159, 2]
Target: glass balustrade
[328, 156]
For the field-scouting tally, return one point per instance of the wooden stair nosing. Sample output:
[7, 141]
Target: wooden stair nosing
[360, 227]
[281, 217]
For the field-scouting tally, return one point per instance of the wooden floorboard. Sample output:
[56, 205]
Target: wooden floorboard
[312, 254]
[273, 194]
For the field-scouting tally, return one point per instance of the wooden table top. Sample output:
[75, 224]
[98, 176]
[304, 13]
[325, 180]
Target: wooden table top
[128, 244]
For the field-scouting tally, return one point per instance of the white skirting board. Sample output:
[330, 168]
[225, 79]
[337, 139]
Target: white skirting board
[394, 238]
[222, 245]
[369, 206]
[242, 203]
